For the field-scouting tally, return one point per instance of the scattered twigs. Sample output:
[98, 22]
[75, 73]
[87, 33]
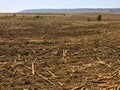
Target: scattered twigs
[102, 62]
[45, 79]
[60, 84]
[1, 83]
[52, 73]
[78, 87]
[33, 68]
[42, 76]
[20, 72]
[64, 56]
[103, 79]
[16, 63]
[3, 64]
[28, 67]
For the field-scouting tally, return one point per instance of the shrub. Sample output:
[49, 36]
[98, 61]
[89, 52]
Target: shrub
[88, 19]
[37, 16]
[23, 15]
[14, 15]
[99, 18]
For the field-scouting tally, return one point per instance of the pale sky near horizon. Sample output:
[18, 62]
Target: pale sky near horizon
[18, 5]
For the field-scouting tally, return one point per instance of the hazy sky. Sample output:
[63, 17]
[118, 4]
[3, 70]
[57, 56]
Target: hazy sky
[18, 5]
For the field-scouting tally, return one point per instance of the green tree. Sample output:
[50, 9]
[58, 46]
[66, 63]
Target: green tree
[99, 17]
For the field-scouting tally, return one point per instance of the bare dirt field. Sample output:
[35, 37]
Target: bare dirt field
[59, 52]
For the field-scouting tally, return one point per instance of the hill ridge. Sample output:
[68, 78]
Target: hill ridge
[70, 10]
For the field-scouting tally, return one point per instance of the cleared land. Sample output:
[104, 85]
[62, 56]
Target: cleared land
[59, 52]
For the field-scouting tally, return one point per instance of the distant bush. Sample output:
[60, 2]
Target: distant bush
[88, 19]
[14, 15]
[23, 15]
[38, 17]
[99, 17]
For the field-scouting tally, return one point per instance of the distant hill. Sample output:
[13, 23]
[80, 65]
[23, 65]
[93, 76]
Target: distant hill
[70, 10]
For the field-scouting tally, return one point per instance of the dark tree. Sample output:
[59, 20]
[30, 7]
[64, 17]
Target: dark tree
[99, 18]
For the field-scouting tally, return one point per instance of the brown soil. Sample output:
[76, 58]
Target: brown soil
[67, 55]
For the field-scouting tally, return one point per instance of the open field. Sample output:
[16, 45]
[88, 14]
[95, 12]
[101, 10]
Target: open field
[59, 53]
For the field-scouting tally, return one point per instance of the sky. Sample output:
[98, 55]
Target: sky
[18, 5]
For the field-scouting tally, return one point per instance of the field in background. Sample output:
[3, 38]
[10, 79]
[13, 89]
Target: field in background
[59, 51]
[68, 16]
